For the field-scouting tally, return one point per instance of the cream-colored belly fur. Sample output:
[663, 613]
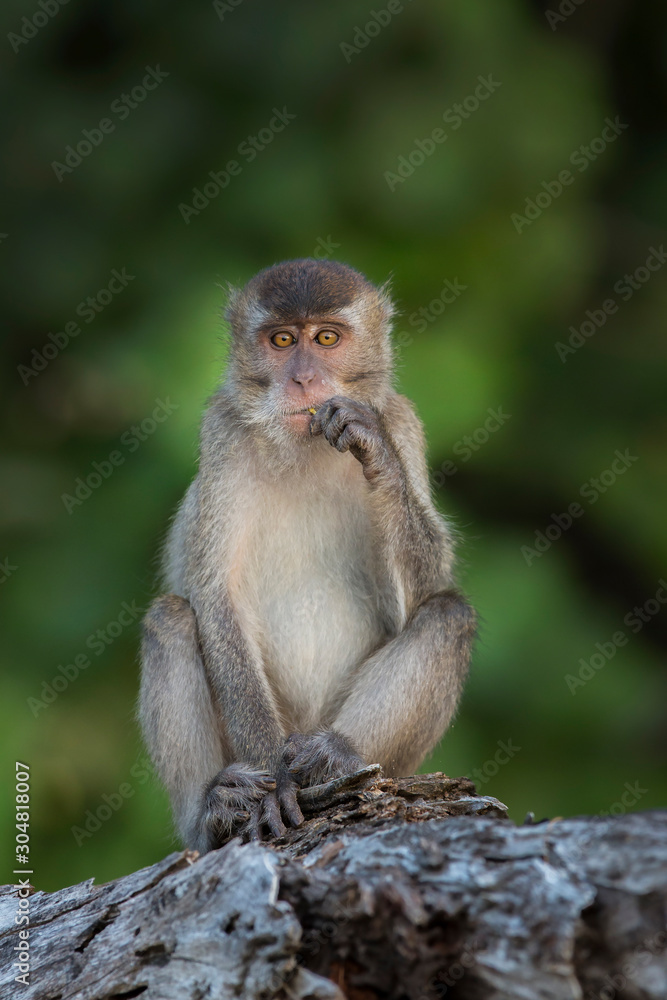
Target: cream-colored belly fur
[315, 616]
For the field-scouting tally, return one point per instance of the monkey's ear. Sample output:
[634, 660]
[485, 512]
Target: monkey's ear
[243, 312]
[232, 301]
[385, 300]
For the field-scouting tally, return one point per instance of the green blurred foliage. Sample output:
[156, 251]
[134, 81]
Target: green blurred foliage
[321, 181]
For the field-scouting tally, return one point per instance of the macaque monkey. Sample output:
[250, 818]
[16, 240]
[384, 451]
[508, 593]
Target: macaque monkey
[311, 625]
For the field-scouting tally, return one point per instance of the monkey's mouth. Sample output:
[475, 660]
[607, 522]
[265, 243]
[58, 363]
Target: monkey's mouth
[302, 411]
[298, 420]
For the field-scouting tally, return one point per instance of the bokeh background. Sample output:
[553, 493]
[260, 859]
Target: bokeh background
[361, 98]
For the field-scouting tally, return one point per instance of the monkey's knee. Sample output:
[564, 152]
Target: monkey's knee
[451, 613]
[169, 618]
[176, 713]
[169, 651]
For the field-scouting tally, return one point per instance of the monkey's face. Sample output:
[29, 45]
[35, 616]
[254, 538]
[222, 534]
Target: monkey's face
[305, 331]
[306, 363]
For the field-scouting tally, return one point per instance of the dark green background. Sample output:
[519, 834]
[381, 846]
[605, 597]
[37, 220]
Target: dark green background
[322, 180]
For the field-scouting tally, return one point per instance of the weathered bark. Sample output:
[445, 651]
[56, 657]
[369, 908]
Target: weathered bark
[407, 888]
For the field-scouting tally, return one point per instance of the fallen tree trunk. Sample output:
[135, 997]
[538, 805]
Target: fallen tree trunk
[393, 888]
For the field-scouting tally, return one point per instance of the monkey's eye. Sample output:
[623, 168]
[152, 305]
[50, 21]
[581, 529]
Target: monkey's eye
[283, 339]
[327, 338]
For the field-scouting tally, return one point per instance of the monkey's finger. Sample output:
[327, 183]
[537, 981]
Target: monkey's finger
[290, 806]
[251, 783]
[322, 417]
[305, 760]
[226, 823]
[232, 799]
[262, 786]
[293, 744]
[341, 419]
[252, 828]
[354, 410]
[353, 436]
[350, 404]
[271, 815]
[333, 430]
[347, 416]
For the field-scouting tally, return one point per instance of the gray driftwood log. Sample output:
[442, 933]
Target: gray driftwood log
[408, 888]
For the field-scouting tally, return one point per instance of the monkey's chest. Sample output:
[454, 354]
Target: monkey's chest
[316, 612]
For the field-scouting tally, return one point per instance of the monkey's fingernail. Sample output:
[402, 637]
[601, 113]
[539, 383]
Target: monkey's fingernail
[294, 814]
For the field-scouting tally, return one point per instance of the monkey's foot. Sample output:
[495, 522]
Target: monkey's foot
[277, 804]
[317, 797]
[232, 803]
[319, 757]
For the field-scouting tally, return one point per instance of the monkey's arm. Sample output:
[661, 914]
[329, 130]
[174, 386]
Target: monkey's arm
[216, 791]
[405, 695]
[232, 660]
[252, 726]
[198, 564]
[239, 685]
[417, 548]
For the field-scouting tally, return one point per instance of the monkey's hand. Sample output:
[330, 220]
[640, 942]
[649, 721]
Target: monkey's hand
[314, 759]
[355, 427]
[233, 804]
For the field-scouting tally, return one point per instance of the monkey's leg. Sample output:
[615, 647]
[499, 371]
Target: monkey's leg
[312, 759]
[210, 801]
[405, 695]
[218, 789]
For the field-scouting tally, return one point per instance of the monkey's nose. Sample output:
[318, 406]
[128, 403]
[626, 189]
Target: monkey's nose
[303, 378]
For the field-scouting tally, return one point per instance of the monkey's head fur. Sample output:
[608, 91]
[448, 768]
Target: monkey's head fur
[301, 332]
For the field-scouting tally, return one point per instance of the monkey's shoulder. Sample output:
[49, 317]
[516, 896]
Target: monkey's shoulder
[220, 423]
[400, 408]
[403, 423]
[221, 436]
